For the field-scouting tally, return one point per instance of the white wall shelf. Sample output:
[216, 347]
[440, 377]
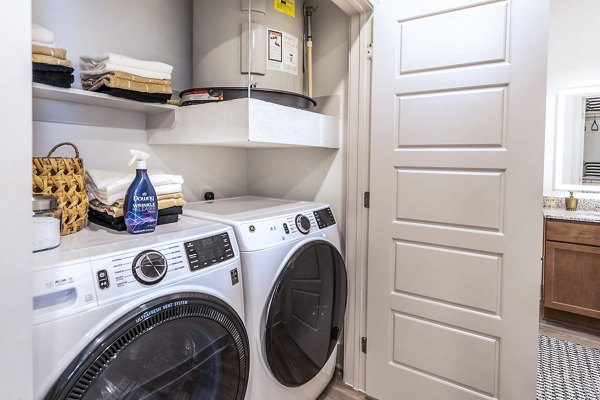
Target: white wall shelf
[75, 102]
[41, 91]
[249, 123]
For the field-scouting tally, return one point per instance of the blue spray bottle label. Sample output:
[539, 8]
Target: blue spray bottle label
[140, 208]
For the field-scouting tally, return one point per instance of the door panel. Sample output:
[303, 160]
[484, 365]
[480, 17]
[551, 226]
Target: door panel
[440, 350]
[431, 196]
[446, 125]
[437, 41]
[455, 229]
[435, 272]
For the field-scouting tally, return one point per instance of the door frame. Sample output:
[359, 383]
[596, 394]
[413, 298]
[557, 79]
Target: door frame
[357, 183]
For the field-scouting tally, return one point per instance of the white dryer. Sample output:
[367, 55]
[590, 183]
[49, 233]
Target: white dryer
[153, 316]
[295, 289]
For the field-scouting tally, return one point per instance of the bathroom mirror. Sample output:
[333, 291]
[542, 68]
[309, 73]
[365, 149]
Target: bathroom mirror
[577, 158]
[573, 81]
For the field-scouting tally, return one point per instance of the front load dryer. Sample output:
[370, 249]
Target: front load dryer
[294, 291]
[153, 316]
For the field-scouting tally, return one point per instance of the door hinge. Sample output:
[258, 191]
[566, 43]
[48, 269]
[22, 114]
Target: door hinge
[367, 199]
[363, 344]
[370, 52]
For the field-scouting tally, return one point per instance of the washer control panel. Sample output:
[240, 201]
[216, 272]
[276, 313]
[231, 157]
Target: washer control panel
[203, 253]
[123, 274]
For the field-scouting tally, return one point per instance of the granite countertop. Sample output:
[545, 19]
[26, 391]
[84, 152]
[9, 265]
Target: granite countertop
[579, 215]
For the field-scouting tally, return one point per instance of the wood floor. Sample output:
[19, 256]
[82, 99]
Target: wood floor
[338, 390]
[570, 334]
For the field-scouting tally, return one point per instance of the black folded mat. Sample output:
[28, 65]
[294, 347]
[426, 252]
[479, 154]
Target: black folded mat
[52, 68]
[165, 216]
[133, 95]
[58, 79]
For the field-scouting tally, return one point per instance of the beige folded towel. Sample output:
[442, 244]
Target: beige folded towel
[38, 58]
[129, 77]
[49, 51]
[116, 209]
[112, 81]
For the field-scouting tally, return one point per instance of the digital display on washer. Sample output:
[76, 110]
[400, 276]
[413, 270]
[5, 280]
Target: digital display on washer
[208, 251]
[324, 217]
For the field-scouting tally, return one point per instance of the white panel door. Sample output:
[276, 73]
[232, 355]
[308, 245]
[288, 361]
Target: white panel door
[455, 229]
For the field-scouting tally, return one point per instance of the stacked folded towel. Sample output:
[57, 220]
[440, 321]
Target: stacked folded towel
[50, 64]
[107, 190]
[130, 78]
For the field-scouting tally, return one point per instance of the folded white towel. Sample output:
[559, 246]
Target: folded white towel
[99, 62]
[44, 44]
[108, 182]
[41, 34]
[136, 71]
[114, 197]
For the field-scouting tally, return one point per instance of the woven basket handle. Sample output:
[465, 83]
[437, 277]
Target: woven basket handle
[52, 150]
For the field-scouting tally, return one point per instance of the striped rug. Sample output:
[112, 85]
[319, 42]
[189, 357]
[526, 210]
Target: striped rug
[567, 371]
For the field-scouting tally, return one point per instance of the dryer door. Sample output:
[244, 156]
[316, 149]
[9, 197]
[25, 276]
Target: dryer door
[184, 346]
[306, 313]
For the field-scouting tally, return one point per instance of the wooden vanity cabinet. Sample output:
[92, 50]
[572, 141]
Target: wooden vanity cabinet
[572, 272]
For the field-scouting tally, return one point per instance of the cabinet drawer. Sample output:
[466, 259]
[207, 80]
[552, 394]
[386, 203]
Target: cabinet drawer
[573, 232]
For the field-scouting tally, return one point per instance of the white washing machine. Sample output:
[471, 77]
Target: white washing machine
[153, 316]
[294, 291]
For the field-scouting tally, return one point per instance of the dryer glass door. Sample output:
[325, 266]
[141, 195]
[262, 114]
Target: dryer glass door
[306, 313]
[185, 346]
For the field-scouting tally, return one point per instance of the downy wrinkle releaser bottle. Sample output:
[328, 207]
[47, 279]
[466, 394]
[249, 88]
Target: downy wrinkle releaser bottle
[140, 207]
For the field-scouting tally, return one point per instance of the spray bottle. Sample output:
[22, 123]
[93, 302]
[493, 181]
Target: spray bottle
[140, 208]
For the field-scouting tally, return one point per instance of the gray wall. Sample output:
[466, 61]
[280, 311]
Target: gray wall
[146, 29]
[313, 174]
[155, 30]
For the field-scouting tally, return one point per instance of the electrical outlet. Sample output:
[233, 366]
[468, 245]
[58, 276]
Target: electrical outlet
[207, 193]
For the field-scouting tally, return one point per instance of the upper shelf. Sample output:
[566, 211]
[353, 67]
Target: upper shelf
[78, 96]
[82, 107]
[248, 123]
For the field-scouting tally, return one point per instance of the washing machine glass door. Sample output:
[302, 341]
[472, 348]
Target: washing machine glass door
[184, 346]
[306, 313]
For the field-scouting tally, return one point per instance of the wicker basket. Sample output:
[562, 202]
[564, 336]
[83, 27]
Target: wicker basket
[63, 178]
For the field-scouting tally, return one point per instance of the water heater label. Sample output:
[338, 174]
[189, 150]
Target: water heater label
[283, 52]
[286, 6]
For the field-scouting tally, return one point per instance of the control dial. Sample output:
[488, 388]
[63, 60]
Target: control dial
[149, 267]
[303, 224]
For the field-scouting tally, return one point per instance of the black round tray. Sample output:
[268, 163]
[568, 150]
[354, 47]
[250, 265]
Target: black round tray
[280, 97]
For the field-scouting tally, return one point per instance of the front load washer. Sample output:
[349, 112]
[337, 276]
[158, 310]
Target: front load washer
[294, 291]
[153, 316]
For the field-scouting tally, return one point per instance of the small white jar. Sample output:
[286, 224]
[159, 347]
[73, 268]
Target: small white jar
[46, 223]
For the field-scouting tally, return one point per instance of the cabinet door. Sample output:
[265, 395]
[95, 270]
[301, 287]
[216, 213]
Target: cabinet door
[572, 278]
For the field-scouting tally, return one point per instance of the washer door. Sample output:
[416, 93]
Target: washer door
[183, 346]
[306, 313]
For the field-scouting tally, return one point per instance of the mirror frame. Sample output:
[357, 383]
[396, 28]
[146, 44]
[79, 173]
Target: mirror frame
[568, 146]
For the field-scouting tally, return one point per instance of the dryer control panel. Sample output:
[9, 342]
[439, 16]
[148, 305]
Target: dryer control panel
[267, 232]
[324, 217]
